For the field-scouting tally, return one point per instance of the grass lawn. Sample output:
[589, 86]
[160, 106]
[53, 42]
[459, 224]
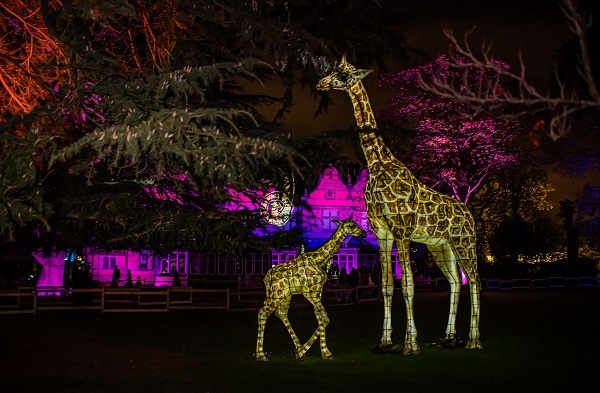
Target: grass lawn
[534, 341]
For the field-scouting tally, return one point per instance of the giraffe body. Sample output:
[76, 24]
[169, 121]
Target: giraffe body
[401, 209]
[305, 275]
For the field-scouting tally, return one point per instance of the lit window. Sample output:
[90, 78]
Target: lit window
[351, 263]
[174, 261]
[266, 263]
[144, 257]
[108, 262]
[328, 217]
[342, 262]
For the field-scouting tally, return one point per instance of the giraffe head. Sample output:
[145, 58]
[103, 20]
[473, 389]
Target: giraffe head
[343, 76]
[349, 227]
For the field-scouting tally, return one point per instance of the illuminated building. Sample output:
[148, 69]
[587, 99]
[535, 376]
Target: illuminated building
[331, 199]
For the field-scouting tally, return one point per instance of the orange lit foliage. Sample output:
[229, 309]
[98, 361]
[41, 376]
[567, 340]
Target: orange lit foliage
[140, 36]
[37, 68]
[32, 61]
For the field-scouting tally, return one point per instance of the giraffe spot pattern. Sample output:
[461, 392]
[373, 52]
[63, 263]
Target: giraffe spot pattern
[398, 203]
[306, 275]
[429, 214]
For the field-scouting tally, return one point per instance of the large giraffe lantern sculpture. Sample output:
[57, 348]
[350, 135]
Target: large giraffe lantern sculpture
[401, 209]
[306, 275]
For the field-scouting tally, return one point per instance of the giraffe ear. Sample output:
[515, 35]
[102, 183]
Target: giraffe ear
[362, 73]
[336, 222]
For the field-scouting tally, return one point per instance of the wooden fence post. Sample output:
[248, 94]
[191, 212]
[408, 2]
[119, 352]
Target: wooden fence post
[102, 300]
[35, 303]
[168, 299]
[227, 301]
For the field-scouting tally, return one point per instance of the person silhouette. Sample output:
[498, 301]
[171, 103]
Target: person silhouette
[176, 280]
[116, 276]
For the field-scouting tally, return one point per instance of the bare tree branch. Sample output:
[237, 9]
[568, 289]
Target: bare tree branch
[30, 58]
[526, 98]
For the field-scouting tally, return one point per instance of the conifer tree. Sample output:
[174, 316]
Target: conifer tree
[125, 125]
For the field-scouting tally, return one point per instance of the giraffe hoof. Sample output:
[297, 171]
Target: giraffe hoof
[454, 342]
[413, 350]
[474, 344]
[448, 342]
[327, 357]
[262, 358]
[388, 348]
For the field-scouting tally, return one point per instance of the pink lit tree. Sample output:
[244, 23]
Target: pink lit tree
[454, 150]
[573, 96]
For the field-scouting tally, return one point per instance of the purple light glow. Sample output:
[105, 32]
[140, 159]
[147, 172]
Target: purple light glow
[52, 272]
[332, 199]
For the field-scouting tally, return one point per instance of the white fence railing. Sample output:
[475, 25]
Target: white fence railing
[165, 299]
[515, 283]
[158, 299]
[107, 299]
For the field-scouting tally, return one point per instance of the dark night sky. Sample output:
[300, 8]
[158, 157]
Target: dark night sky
[535, 28]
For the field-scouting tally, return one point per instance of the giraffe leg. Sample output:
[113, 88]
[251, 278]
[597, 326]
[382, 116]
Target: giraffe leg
[411, 346]
[386, 241]
[474, 339]
[446, 260]
[301, 351]
[323, 321]
[325, 352]
[263, 315]
[470, 269]
[282, 313]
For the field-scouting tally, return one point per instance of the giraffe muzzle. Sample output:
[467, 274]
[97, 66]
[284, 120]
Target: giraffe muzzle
[322, 86]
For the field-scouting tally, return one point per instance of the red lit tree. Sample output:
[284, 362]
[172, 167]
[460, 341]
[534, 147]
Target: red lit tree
[32, 60]
[454, 150]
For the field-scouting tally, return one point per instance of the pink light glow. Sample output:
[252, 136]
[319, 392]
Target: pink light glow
[331, 199]
[52, 272]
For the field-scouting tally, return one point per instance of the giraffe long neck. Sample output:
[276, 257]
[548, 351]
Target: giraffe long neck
[375, 150]
[377, 154]
[331, 246]
[363, 113]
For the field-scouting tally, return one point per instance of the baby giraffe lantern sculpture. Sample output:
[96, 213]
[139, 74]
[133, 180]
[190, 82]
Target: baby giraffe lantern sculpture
[401, 209]
[306, 275]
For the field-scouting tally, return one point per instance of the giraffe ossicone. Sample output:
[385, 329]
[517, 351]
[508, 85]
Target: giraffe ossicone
[306, 274]
[401, 209]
